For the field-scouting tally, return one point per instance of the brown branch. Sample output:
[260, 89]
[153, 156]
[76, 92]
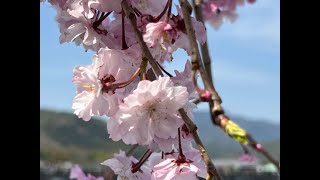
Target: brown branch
[144, 48]
[212, 171]
[196, 101]
[132, 149]
[204, 47]
[197, 65]
[195, 55]
[264, 152]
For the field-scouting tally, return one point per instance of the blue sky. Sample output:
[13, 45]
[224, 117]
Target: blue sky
[245, 54]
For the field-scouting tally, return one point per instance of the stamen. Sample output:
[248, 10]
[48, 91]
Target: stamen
[90, 88]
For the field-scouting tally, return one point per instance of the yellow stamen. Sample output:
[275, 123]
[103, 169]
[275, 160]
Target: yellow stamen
[90, 88]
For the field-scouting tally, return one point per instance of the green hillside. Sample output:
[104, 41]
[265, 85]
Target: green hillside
[64, 137]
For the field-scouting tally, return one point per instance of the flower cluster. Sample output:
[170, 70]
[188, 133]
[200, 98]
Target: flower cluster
[142, 109]
[216, 11]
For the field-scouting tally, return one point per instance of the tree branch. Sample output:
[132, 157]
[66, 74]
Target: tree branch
[264, 152]
[204, 47]
[191, 126]
[197, 65]
[212, 171]
[195, 55]
[215, 111]
[144, 48]
[132, 149]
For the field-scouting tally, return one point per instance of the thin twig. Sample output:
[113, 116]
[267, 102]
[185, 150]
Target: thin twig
[196, 101]
[166, 72]
[264, 152]
[197, 64]
[132, 149]
[169, 11]
[195, 55]
[145, 50]
[204, 47]
[212, 171]
[124, 43]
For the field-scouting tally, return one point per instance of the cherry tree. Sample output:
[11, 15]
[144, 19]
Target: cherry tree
[127, 82]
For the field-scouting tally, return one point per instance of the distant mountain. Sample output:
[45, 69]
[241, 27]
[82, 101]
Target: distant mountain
[64, 137]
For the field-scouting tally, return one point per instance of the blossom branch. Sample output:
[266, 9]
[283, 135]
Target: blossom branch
[124, 43]
[197, 65]
[266, 154]
[98, 22]
[195, 55]
[207, 64]
[143, 159]
[132, 149]
[162, 13]
[169, 11]
[166, 72]
[196, 101]
[145, 50]
[191, 126]
[204, 47]
[212, 171]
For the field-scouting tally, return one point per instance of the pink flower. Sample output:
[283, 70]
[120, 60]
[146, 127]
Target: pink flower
[162, 163]
[247, 158]
[115, 30]
[160, 37]
[97, 93]
[199, 28]
[181, 37]
[77, 173]
[122, 166]
[160, 32]
[172, 166]
[171, 169]
[215, 11]
[149, 112]
[85, 7]
[76, 27]
[185, 79]
[89, 100]
[116, 66]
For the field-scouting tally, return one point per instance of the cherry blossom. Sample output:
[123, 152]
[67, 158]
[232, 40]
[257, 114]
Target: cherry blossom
[89, 100]
[122, 166]
[216, 11]
[148, 112]
[184, 78]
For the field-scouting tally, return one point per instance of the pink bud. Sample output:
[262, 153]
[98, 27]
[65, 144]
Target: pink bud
[205, 95]
[259, 147]
[213, 7]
